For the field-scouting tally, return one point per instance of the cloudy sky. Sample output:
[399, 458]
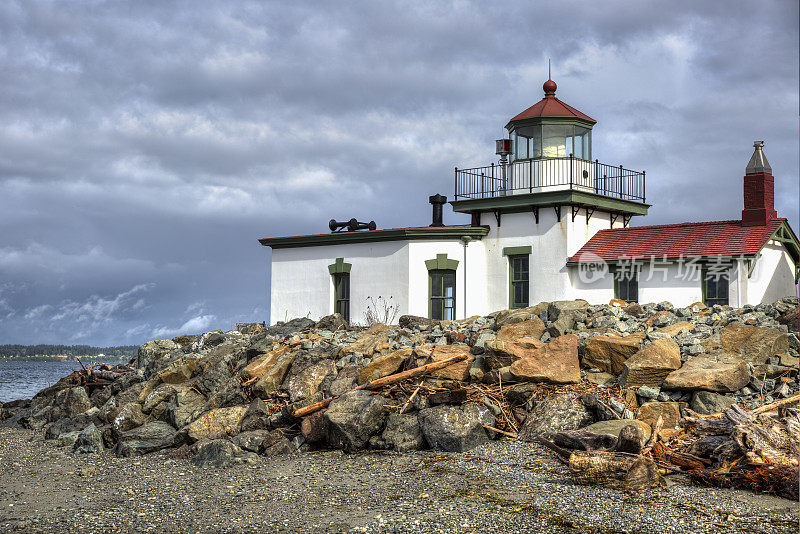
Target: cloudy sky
[145, 146]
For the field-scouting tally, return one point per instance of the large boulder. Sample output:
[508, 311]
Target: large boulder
[384, 366]
[501, 354]
[256, 417]
[608, 353]
[372, 337]
[355, 417]
[161, 394]
[707, 403]
[721, 372]
[129, 417]
[221, 454]
[455, 428]
[506, 317]
[153, 354]
[72, 401]
[554, 414]
[183, 406]
[533, 327]
[753, 344]
[674, 329]
[403, 433]
[219, 422]
[273, 378]
[563, 315]
[651, 365]
[556, 362]
[149, 437]
[263, 364]
[333, 323]
[90, 440]
[455, 371]
[179, 371]
[290, 327]
[66, 425]
[308, 381]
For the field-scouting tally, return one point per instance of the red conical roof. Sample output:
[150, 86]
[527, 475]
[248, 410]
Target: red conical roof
[550, 106]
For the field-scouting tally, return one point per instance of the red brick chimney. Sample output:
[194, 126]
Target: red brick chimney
[759, 190]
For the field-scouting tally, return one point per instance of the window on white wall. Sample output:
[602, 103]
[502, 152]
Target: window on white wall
[442, 302]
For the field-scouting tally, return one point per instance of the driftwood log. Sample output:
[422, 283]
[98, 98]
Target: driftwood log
[385, 381]
[615, 470]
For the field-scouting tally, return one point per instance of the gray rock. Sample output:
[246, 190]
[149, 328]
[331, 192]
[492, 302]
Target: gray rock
[254, 440]
[403, 433]
[183, 406]
[353, 418]
[67, 424]
[648, 392]
[221, 454]
[333, 323]
[72, 401]
[706, 402]
[290, 327]
[147, 438]
[68, 439]
[455, 428]
[554, 414]
[152, 355]
[256, 417]
[129, 417]
[89, 440]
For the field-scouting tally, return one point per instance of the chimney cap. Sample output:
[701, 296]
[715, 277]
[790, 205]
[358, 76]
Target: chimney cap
[758, 161]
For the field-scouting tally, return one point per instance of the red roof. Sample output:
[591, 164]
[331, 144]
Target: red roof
[702, 239]
[550, 106]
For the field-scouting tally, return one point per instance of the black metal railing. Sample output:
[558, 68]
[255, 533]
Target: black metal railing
[549, 174]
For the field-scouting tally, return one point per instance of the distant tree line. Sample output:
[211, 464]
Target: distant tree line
[123, 352]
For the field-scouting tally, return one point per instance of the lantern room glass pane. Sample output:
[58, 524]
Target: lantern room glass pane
[554, 140]
[583, 144]
[529, 142]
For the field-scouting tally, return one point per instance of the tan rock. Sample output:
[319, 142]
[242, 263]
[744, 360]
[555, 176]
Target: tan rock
[556, 362]
[273, 378]
[754, 344]
[615, 426]
[307, 382]
[384, 366]
[608, 353]
[669, 412]
[651, 364]
[369, 340]
[261, 365]
[179, 372]
[506, 317]
[533, 327]
[457, 371]
[503, 353]
[676, 328]
[216, 422]
[719, 371]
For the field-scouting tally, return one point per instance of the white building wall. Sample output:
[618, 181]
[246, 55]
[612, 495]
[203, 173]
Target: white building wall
[475, 289]
[773, 276]
[302, 285]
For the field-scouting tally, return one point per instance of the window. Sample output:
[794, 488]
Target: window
[715, 287]
[519, 281]
[626, 285]
[341, 303]
[442, 294]
[553, 141]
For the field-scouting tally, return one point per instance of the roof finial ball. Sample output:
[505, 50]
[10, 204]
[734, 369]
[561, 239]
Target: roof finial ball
[549, 86]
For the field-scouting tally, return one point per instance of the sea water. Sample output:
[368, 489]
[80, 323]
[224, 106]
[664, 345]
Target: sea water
[23, 379]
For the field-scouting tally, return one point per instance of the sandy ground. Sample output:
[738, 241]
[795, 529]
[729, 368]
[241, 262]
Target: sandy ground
[499, 487]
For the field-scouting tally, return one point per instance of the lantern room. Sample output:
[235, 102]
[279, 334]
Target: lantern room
[551, 129]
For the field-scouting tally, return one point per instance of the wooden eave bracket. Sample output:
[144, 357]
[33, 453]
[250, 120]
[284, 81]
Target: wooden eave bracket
[614, 217]
[535, 211]
[497, 215]
[575, 211]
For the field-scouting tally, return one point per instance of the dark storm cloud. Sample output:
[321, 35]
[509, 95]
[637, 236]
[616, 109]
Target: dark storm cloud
[146, 145]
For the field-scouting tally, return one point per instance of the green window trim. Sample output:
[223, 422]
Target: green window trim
[339, 267]
[441, 263]
[516, 251]
[442, 299]
[704, 288]
[522, 278]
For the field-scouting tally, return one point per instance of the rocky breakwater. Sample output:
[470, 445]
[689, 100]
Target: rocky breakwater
[222, 398]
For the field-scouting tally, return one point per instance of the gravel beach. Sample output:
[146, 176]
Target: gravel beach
[502, 486]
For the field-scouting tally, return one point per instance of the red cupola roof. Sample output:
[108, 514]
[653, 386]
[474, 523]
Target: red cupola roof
[550, 106]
